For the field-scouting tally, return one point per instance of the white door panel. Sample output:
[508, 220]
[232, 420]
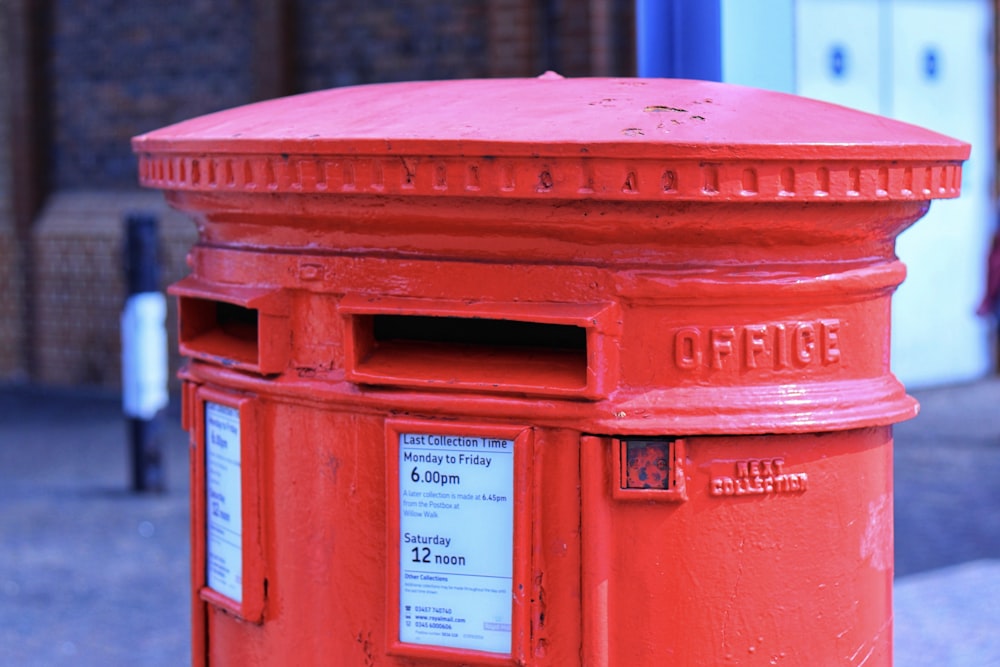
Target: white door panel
[837, 55]
[941, 68]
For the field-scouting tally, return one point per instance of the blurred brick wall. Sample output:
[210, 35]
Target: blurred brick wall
[80, 282]
[347, 42]
[5, 157]
[121, 68]
[513, 34]
[116, 69]
[568, 38]
[11, 324]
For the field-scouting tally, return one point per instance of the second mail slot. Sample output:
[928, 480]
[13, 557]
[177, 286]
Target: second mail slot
[534, 349]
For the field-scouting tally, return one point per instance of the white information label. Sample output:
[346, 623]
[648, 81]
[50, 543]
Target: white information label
[224, 501]
[456, 541]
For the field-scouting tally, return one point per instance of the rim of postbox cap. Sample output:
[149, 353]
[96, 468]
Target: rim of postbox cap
[585, 138]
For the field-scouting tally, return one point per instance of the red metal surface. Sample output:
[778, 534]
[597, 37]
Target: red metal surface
[672, 297]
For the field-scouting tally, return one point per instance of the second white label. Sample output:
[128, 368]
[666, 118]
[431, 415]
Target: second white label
[456, 541]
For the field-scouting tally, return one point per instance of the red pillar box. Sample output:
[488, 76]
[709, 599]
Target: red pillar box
[543, 372]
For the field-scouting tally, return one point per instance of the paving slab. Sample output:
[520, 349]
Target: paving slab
[90, 574]
[949, 617]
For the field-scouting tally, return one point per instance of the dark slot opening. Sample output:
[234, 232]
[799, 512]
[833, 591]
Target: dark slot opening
[237, 321]
[479, 332]
[219, 330]
[495, 355]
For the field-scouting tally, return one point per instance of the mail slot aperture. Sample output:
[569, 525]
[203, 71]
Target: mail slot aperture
[541, 349]
[235, 326]
[220, 329]
[481, 333]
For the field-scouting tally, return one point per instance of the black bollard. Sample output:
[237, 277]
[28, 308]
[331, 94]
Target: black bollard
[144, 352]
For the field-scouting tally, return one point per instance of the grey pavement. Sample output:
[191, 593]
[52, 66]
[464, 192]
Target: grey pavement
[947, 473]
[91, 574]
